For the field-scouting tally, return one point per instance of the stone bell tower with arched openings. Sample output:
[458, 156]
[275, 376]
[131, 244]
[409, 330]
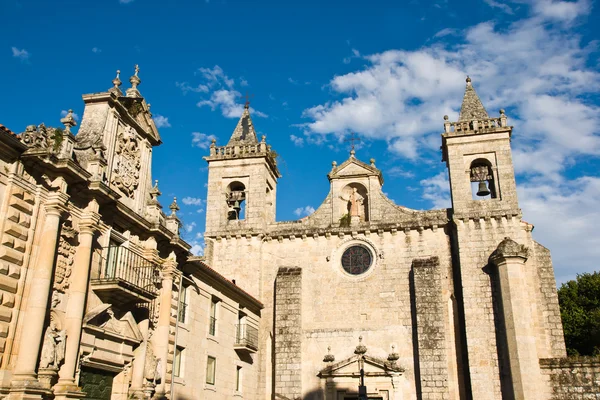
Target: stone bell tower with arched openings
[242, 182]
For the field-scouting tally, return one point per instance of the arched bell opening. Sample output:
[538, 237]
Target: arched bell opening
[235, 197]
[483, 186]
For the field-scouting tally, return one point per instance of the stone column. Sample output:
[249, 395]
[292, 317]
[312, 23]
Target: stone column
[25, 377]
[510, 259]
[161, 336]
[78, 288]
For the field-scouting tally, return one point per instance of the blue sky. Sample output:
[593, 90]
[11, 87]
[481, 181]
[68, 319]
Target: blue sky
[387, 70]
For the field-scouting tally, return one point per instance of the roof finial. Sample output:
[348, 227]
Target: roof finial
[468, 81]
[135, 81]
[68, 121]
[117, 82]
[174, 207]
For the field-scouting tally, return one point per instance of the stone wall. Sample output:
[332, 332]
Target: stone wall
[288, 325]
[572, 378]
[430, 332]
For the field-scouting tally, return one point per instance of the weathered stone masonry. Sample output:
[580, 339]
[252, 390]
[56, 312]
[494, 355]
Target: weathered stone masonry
[288, 323]
[431, 335]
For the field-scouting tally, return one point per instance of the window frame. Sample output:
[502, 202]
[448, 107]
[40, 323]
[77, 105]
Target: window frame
[178, 361]
[211, 374]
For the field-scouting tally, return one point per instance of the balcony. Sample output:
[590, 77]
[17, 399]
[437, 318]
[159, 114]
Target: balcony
[126, 277]
[246, 338]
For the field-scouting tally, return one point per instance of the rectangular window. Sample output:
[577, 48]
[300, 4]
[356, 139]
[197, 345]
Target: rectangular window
[212, 329]
[211, 366]
[177, 363]
[238, 379]
[183, 306]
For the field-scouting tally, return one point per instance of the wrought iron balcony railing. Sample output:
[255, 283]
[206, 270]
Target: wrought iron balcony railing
[125, 277]
[246, 337]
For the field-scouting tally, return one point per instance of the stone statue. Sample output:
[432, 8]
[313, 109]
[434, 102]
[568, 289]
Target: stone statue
[53, 349]
[353, 202]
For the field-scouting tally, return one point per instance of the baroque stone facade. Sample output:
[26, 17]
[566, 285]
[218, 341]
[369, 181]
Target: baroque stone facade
[457, 303]
[99, 296]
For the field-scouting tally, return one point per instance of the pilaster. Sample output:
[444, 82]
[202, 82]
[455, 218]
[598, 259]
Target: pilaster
[161, 336]
[25, 384]
[510, 259]
[88, 225]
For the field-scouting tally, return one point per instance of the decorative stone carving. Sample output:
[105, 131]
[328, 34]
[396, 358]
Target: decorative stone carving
[53, 349]
[126, 170]
[151, 369]
[509, 248]
[67, 247]
[41, 137]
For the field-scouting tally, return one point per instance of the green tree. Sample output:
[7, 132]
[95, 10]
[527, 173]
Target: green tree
[580, 312]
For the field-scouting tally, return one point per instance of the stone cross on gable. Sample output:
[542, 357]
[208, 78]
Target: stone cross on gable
[248, 97]
[352, 139]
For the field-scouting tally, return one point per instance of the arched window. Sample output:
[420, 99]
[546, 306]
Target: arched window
[482, 180]
[235, 196]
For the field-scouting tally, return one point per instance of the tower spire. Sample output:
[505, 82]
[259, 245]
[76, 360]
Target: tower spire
[472, 108]
[244, 132]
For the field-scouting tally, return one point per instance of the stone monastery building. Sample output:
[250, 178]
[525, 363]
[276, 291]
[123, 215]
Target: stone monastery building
[100, 298]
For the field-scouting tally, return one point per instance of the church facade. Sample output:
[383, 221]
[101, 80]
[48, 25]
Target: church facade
[100, 297]
[456, 303]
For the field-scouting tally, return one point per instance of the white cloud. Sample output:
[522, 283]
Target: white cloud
[199, 235]
[202, 140]
[190, 227]
[192, 201]
[298, 141]
[292, 81]
[446, 32]
[399, 172]
[226, 101]
[161, 122]
[304, 211]
[96, 50]
[566, 219]
[537, 71]
[216, 77]
[64, 113]
[499, 5]
[197, 248]
[185, 88]
[21, 54]
[243, 82]
[437, 190]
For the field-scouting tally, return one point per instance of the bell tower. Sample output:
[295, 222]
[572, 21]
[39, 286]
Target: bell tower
[477, 152]
[242, 182]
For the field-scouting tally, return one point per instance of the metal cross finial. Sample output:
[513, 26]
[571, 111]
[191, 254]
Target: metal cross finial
[248, 97]
[137, 69]
[352, 139]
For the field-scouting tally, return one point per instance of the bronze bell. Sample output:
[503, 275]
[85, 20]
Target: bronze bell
[236, 205]
[483, 189]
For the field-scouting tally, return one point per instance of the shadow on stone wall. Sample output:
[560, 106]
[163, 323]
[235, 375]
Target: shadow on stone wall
[500, 331]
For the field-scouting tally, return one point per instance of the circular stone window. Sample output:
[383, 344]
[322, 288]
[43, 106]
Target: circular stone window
[356, 260]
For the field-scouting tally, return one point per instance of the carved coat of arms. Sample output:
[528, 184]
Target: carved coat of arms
[126, 170]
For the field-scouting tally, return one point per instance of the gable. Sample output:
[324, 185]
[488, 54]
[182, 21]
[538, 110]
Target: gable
[350, 367]
[353, 169]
